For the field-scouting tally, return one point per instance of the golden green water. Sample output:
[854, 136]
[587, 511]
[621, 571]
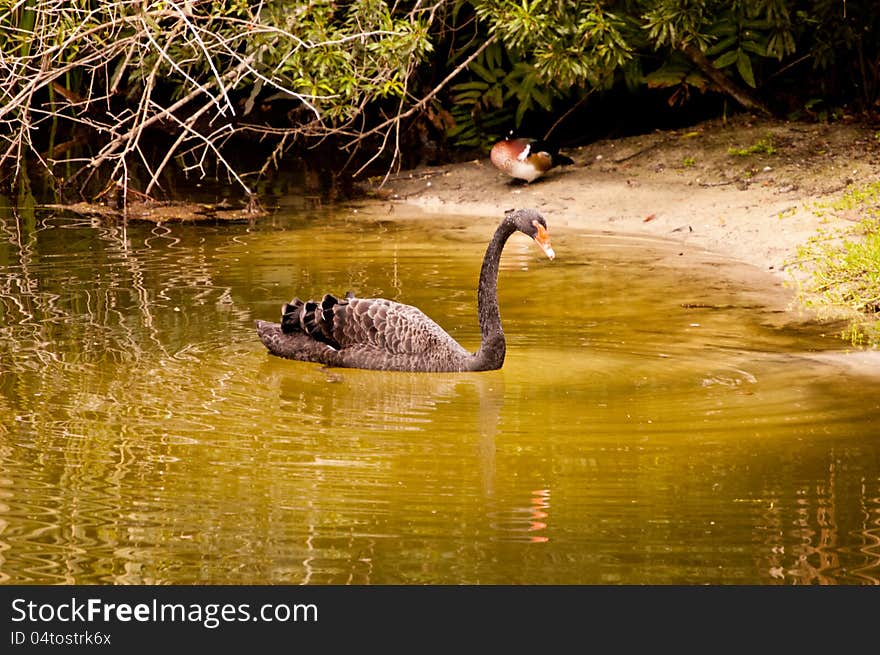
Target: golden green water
[658, 419]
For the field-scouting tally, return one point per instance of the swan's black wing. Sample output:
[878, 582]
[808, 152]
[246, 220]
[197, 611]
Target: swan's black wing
[364, 333]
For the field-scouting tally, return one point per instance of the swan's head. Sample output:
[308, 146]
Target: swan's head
[531, 223]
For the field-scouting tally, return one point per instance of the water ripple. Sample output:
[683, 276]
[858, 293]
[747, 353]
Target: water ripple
[647, 426]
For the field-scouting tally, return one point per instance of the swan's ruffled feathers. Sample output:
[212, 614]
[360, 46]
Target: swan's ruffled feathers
[372, 323]
[375, 333]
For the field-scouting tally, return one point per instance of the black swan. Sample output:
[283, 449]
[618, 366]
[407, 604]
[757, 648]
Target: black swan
[375, 333]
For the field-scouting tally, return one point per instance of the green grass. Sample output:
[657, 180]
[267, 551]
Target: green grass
[761, 147]
[843, 266]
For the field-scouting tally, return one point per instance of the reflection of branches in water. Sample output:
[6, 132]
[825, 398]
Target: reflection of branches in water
[386, 401]
[97, 479]
[820, 516]
[126, 384]
[24, 284]
[372, 422]
[54, 309]
[74, 293]
[870, 571]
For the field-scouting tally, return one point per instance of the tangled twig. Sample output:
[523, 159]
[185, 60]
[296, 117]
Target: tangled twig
[125, 51]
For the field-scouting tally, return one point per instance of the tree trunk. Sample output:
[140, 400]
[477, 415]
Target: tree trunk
[742, 95]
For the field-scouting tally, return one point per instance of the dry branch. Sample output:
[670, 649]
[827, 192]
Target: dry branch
[124, 47]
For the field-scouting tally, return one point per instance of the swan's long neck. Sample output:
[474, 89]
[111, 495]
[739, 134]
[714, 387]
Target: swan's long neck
[492, 345]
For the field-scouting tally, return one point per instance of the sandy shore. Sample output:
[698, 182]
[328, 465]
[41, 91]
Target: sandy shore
[681, 185]
[686, 186]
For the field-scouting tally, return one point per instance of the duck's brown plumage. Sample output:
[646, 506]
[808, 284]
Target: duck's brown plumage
[376, 333]
[526, 159]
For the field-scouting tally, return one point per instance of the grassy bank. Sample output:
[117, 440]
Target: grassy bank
[842, 267]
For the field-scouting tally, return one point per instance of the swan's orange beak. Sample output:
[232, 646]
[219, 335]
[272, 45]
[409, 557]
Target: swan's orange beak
[543, 240]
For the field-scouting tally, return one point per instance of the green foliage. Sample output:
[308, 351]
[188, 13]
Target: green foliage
[553, 53]
[337, 57]
[359, 68]
[760, 147]
[481, 107]
[336, 62]
[566, 44]
[842, 41]
[344, 55]
[498, 94]
[549, 51]
[744, 38]
[732, 35]
[844, 268]
[677, 72]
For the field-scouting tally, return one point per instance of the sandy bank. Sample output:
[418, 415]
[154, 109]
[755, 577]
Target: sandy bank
[683, 185]
[696, 187]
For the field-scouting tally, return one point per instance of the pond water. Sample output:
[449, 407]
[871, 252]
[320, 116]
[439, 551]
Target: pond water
[659, 418]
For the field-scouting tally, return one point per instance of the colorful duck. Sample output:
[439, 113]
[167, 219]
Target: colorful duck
[526, 159]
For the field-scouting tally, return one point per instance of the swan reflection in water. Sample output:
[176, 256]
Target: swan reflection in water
[396, 413]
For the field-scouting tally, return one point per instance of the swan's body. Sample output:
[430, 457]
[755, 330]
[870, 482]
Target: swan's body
[376, 333]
